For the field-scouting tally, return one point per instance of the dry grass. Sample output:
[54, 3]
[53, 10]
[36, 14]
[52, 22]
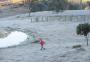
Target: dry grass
[3, 34]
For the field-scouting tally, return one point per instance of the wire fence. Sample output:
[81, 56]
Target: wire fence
[72, 18]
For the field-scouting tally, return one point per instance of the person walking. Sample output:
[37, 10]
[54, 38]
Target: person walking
[42, 42]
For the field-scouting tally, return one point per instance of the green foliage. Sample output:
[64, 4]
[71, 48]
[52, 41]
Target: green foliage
[83, 29]
[36, 5]
[88, 3]
[73, 6]
[57, 5]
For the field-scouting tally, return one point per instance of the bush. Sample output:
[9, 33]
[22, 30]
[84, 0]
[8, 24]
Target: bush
[57, 5]
[83, 29]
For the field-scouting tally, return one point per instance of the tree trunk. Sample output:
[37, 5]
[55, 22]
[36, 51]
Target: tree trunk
[29, 11]
[86, 39]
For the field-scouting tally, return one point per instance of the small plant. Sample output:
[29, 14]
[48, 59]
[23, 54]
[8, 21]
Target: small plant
[84, 29]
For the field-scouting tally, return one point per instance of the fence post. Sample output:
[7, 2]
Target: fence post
[46, 19]
[37, 19]
[31, 20]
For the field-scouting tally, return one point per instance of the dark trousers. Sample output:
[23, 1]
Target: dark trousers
[42, 48]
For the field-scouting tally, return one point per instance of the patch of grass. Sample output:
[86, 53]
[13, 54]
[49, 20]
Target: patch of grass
[3, 34]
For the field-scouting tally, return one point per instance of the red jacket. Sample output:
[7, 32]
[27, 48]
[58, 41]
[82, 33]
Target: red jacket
[42, 42]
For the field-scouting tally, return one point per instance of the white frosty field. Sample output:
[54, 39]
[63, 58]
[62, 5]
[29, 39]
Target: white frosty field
[59, 38]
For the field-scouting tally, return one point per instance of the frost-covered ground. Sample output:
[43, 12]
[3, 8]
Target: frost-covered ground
[59, 38]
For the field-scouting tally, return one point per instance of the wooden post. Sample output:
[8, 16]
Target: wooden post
[37, 19]
[47, 18]
[65, 18]
[71, 17]
[87, 39]
[31, 19]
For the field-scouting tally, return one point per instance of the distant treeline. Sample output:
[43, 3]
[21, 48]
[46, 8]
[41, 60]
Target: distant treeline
[55, 5]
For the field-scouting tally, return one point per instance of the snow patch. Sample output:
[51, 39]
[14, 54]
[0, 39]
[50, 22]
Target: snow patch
[14, 38]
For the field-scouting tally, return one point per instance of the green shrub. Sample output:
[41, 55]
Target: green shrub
[83, 29]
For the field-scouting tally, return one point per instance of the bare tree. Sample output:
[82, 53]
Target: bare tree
[28, 3]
